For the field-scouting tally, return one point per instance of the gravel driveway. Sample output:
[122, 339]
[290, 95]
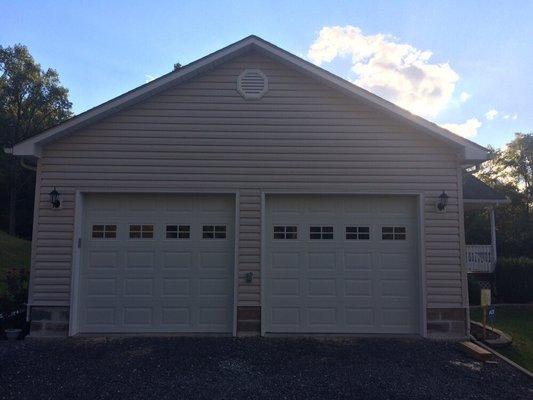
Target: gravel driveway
[233, 368]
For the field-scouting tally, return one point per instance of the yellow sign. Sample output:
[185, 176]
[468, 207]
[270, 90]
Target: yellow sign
[485, 297]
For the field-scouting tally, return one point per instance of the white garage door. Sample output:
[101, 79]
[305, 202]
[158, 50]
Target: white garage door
[341, 265]
[157, 263]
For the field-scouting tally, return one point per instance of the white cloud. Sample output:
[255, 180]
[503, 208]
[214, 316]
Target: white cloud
[467, 129]
[149, 78]
[464, 96]
[509, 116]
[396, 71]
[491, 114]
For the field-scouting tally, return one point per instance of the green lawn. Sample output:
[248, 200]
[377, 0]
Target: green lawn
[516, 321]
[14, 252]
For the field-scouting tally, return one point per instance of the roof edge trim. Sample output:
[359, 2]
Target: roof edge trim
[32, 146]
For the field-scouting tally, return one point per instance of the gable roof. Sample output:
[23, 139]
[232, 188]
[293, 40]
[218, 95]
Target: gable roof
[471, 152]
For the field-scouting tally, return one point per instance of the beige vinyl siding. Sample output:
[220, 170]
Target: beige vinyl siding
[202, 135]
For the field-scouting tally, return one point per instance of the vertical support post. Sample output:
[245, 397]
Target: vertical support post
[493, 237]
[484, 308]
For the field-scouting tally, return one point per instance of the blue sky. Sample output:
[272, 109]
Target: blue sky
[452, 63]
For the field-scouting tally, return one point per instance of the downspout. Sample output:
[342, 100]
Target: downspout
[27, 166]
[34, 169]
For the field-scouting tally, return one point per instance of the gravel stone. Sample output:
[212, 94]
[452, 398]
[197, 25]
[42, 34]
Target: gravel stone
[250, 368]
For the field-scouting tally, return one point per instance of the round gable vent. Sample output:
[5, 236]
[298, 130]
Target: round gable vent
[252, 84]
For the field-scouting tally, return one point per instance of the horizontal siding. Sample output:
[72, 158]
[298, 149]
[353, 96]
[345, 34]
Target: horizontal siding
[202, 135]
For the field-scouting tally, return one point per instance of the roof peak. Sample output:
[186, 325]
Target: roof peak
[32, 146]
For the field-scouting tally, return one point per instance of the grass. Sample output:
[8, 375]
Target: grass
[14, 252]
[516, 321]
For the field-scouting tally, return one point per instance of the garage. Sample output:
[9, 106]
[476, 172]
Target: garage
[156, 263]
[341, 264]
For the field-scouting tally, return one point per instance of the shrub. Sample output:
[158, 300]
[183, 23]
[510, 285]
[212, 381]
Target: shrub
[514, 280]
[474, 290]
[13, 296]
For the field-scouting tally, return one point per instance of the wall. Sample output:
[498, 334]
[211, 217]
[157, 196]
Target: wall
[202, 134]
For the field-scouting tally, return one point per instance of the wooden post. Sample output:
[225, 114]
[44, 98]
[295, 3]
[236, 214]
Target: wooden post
[484, 322]
[493, 237]
[485, 303]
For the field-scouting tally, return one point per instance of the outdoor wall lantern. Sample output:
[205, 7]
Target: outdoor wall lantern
[54, 198]
[443, 202]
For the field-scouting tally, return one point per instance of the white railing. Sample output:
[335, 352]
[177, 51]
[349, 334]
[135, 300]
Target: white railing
[479, 258]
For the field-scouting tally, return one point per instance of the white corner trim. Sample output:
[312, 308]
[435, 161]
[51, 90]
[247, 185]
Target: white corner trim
[73, 326]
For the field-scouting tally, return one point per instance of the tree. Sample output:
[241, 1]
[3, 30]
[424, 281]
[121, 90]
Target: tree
[512, 167]
[31, 100]
[510, 171]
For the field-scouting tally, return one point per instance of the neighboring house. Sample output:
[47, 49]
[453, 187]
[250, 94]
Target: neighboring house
[249, 192]
[481, 258]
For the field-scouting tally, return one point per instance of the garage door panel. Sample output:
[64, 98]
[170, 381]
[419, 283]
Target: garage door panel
[321, 287]
[322, 317]
[177, 259]
[176, 287]
[359, 287]
[358, 261]
[285, 317]
[135, 316]
[175, 317]
[284, 261]
[351, 283]
[213, 316]
[138, 287]
[184, 207]
[98, 287]
[321, 261]
[140, 260]
[100, 316]
[359, 317]
[102, 260]
[215, 260]
[161, 283]
[396, 317]
[213, 286]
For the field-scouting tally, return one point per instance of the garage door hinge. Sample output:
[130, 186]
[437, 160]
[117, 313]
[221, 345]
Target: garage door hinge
[79, 243]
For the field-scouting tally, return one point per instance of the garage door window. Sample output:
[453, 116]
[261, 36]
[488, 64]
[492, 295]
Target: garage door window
[104, 232]
[285, 232]
[393, 233]
[178, 232]
[321, 232]
[214, 232]
[141, 231]
[357, 233]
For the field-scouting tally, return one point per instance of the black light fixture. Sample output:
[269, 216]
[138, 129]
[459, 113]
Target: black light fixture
[443, 201]
[54, 198]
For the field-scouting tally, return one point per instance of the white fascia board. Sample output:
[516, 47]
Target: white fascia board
[488, 201]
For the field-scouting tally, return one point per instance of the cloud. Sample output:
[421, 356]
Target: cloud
[464, 96]
[149, 78]
[509, 116]
[491, 114]
[467, 129]
[396, 71]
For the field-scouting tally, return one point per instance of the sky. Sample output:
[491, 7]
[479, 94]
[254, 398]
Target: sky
[465, 65]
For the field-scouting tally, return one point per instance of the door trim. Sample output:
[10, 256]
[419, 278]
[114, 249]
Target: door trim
[76, 252]
[418, 197]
